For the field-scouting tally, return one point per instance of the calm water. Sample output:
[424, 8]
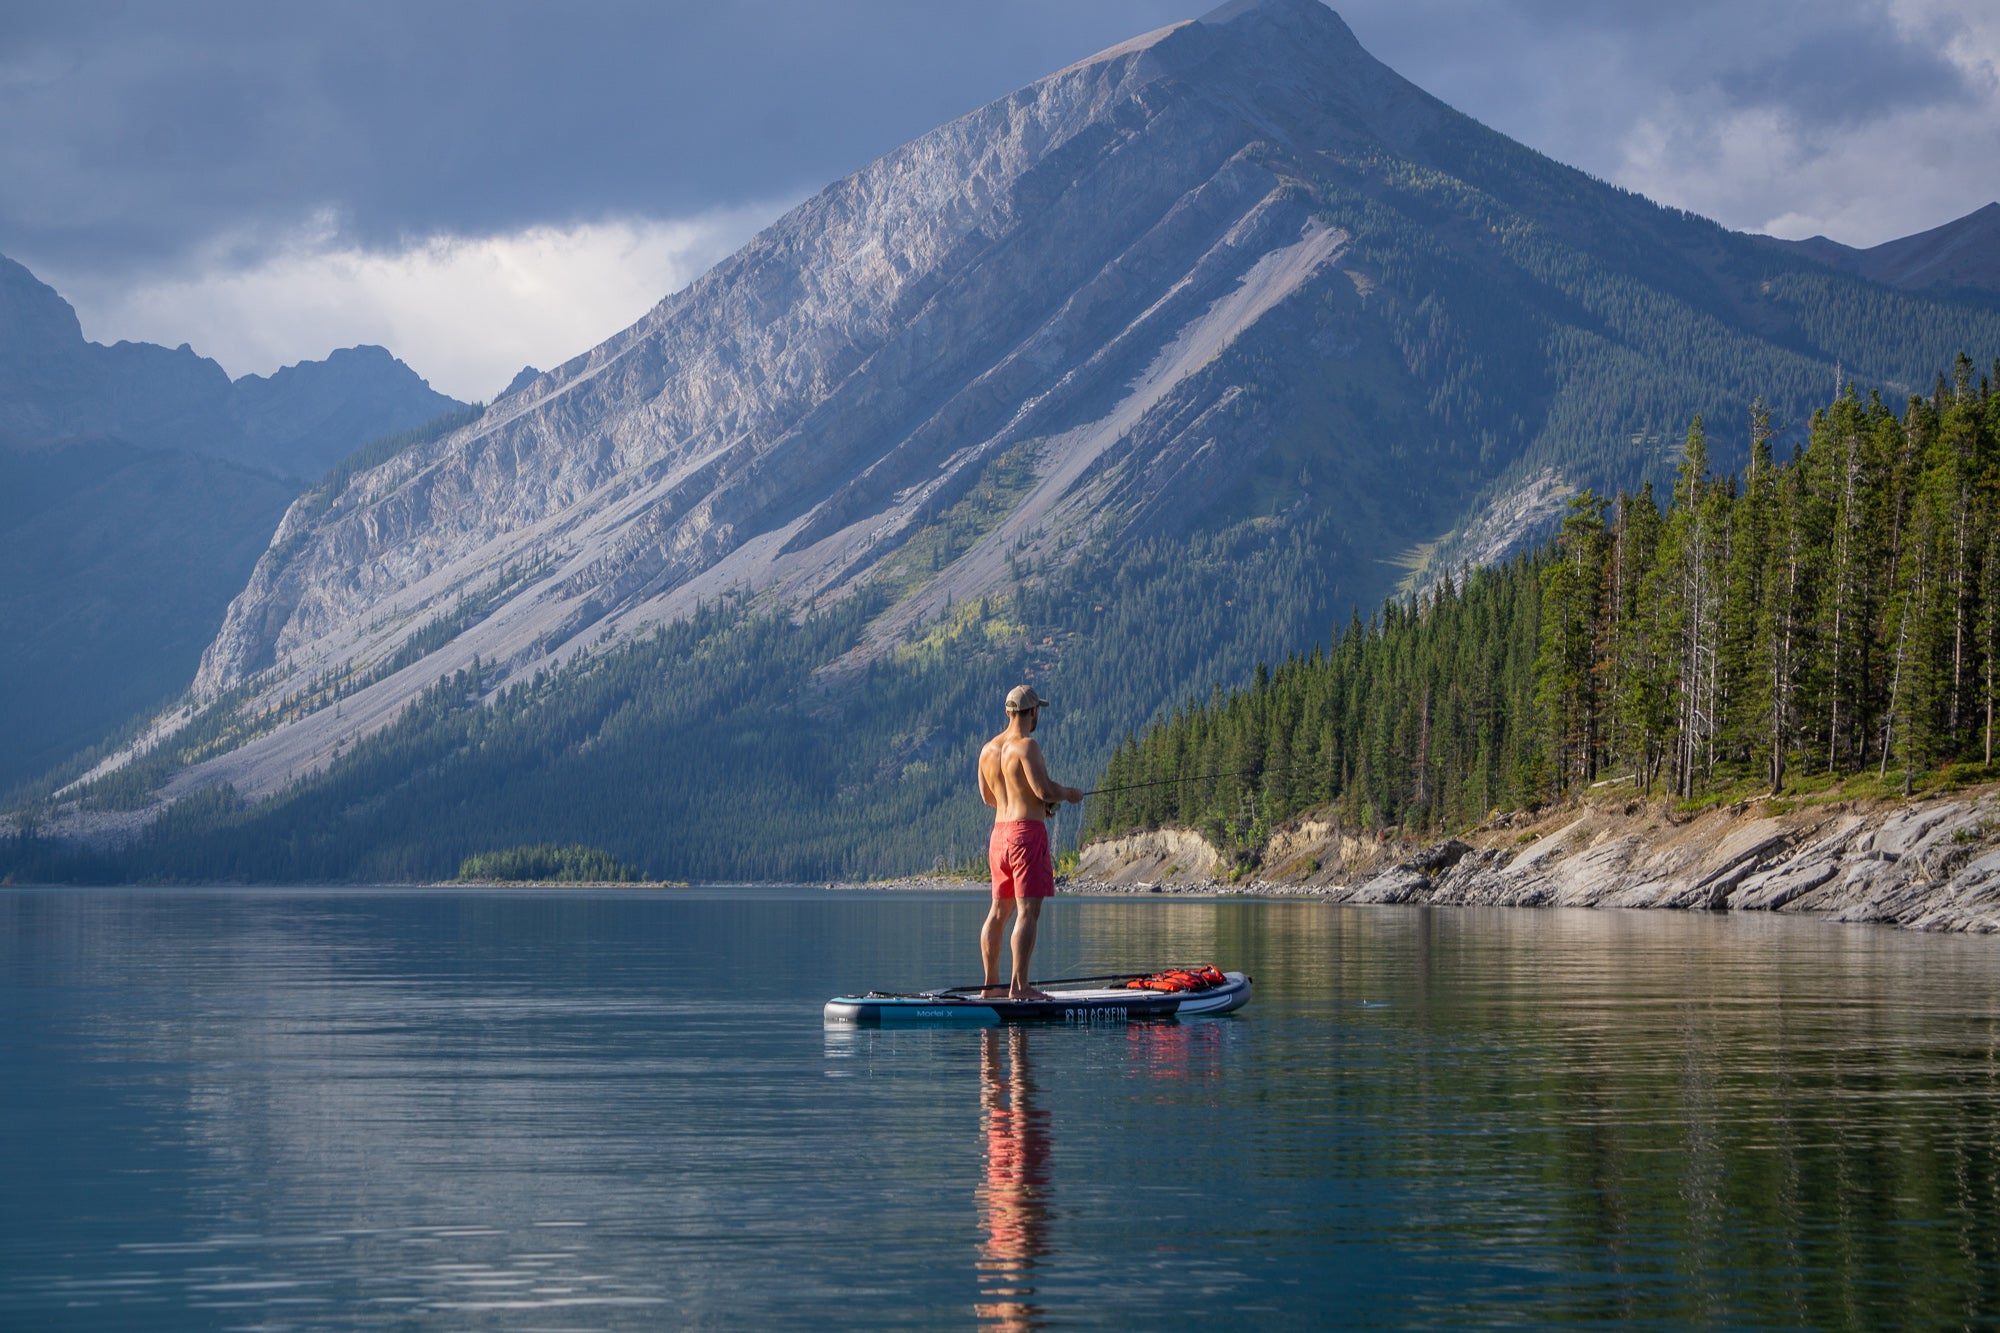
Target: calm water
[527, 1110]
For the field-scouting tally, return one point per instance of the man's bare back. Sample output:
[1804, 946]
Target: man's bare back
[1015, 781]
[1014, 778]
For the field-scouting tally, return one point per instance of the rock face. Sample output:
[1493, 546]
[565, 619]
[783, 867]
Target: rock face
[1057, 271]
[1518, 518]
[1060, 265]
[56, 387]
[1925, 865]
[1146, 857]
[1929, 865]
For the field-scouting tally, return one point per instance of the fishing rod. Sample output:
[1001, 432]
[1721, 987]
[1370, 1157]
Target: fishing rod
[1192, 777]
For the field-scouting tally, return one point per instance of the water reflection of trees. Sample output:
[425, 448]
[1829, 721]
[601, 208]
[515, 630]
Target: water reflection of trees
[1720, 1122]
[1013, 1194]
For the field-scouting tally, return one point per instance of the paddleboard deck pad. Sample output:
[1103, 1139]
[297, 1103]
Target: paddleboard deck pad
[1075, 1002]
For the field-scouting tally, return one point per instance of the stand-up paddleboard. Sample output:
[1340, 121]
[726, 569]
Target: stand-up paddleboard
[1077, 1001]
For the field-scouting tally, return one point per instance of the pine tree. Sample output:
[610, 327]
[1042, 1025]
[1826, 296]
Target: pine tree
[1742, 669]
[1783, 626]
[1567, 669]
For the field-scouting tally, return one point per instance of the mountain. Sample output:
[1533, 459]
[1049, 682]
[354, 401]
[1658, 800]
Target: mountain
[522, 379]
[138, 487]
[305, 418]
[120, 564]
[1123, 383]
[298, 422]
[1961, 254]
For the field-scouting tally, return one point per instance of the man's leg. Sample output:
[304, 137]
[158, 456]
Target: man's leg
[990, 936]
[1024, 949]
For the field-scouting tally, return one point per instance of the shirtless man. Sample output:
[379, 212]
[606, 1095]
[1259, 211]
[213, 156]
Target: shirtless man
[1015, 781]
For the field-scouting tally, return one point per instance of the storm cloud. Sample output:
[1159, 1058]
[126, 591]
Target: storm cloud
[143, 131]
[499, 180]
[1863, 120]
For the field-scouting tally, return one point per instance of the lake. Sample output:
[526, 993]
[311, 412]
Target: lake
[619, 1109]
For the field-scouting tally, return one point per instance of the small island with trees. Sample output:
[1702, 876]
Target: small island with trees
[547, 863]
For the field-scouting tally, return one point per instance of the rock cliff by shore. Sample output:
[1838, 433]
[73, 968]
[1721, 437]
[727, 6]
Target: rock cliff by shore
[1930, 864]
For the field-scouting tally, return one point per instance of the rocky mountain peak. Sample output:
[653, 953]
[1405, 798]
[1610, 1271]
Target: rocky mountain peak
[1287, 29]
[34, 320]
[298, 421]
[523, 377]
[1052, 274]
[1294, 70]
[1232, 273]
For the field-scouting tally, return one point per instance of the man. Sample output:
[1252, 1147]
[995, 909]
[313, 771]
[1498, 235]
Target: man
[1015, 781]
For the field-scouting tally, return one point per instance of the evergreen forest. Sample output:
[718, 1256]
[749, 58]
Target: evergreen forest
[1832, 614]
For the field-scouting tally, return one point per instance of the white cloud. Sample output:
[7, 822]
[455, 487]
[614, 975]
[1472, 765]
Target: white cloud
[1906, 170]
[464, 312]
[1760, 170]
[1967, 31]
[1788, 116]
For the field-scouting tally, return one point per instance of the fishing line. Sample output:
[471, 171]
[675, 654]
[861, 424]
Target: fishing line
[1193, 777]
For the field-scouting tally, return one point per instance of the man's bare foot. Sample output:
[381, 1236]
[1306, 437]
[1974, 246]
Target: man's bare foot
[1028, 993]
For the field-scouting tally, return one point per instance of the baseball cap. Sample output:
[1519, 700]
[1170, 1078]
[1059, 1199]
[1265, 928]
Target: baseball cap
[1022, 698]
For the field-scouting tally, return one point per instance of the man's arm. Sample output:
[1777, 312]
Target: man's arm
[1046, 789]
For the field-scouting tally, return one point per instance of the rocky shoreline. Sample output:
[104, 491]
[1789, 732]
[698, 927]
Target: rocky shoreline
[1931, 864]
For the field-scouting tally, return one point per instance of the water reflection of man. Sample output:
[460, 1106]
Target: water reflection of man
[1013, 1197]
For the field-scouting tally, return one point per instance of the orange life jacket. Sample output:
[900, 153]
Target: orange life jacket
[1179, 979]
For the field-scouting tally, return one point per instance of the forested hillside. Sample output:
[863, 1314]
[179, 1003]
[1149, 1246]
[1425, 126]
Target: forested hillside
[724, 747]
[1835, 613]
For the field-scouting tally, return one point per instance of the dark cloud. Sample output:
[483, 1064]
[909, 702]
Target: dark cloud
[1568, 76]
[134, 135]
[141, 130]
[1841, 76]
[1828, 62]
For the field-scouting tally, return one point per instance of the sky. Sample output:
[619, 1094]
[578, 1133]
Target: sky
[479, 186]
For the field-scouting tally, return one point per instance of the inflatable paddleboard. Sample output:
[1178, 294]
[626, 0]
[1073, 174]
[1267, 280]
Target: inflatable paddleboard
[1076, 1001]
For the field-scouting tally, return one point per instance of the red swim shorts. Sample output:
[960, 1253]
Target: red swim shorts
[1018, 851]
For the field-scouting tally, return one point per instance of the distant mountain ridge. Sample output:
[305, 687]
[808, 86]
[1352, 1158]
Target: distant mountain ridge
[298, 421]
[1119, 383]
[1963, 253]
[138, 486]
